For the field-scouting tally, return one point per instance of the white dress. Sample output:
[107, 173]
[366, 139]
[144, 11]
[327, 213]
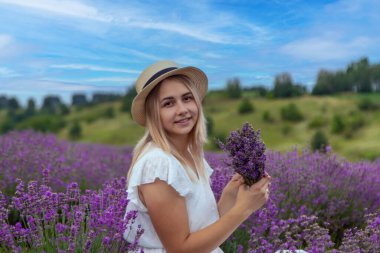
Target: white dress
[200, 201]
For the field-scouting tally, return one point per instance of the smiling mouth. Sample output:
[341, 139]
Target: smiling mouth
[182, 120]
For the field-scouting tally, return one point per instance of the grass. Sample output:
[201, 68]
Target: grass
[278, 135]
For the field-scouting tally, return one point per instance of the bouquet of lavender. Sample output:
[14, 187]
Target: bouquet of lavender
[245, 151]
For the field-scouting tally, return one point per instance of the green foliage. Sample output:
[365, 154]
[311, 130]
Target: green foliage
[284, 87]
[13, 104]
[30, 108]
[234, 88]
[286, 129]
[317, 122]
[246, 106]
[359, 76]
[291, 113]
[319, 141]
[109, 113]
[354, 122]
[126, 103]
[239, 240]
[261, 91]
[267, 117]
[43, 123]
[51, 105]
[75, 131]
[337, 124]
[209, 125]
[7, 126]
[366, 104]
[79, 100]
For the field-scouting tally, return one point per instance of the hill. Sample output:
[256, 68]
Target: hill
[105, 123]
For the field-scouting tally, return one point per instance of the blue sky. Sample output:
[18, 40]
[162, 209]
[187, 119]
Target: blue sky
[80, 46]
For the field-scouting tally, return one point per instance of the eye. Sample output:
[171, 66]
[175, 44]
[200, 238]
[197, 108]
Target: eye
[188, 98]
[167, 104]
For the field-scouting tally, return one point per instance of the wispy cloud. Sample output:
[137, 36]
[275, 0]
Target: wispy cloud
[8, 46]
[5, 41]
[61, 7]
[93, 68]
[7, 73]
[326, 48]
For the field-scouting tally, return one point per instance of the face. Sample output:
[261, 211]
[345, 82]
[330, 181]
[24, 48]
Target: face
[178, 109]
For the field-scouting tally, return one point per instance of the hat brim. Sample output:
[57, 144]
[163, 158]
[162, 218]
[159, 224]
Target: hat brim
[197, 76]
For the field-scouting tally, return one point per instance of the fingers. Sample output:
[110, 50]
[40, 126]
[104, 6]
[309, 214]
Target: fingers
[261, 183]
[237, 177]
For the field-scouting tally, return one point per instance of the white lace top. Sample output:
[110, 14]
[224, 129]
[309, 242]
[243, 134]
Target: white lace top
[200, 201]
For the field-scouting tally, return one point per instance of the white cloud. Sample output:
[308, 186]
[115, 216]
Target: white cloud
[7, 73]
[327, 48]
[5, 41]
[204, 28]
[184, 29]
[125, 80]
[60, 7]
[141, 54]
[93, 68]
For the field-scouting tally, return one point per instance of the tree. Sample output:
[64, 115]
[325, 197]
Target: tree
[291, 113]
[359, 75]
[375, 77]
[30, 108]
[79, 100]
[51, 104]
[209, 125]
[337, 124]
[319, 141]
[246, 106]
[126, 102]
[283, 85]
[75, 131]
[3, 102]
[234, 88]
[13, 104]
[323, 85]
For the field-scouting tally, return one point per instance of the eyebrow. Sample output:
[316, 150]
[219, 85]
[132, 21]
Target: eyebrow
[171, 97]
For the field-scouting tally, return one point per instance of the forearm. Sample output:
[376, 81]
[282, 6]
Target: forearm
[211, 237]
[225, 203]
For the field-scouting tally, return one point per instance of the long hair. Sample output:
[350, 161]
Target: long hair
[155, 132]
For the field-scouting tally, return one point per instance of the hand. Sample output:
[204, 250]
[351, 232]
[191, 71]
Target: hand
[232, 187]
[250, 199]
[228, 198]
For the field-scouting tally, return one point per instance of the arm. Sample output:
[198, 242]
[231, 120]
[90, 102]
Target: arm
[167, 210]
[228, 197]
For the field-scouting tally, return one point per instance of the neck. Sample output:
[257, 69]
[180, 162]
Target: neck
[180, 143]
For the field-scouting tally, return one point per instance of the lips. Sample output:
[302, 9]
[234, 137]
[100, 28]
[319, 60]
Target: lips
[182, 120]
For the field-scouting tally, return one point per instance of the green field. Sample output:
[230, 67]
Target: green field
[278, 134]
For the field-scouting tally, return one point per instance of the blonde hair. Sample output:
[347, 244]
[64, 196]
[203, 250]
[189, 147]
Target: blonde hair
[156, 134]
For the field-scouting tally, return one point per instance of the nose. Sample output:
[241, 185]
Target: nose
[181, 108]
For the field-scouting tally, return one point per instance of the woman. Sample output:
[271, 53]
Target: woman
[168, 181]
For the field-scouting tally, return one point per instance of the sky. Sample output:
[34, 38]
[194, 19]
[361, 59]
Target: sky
[62, 47]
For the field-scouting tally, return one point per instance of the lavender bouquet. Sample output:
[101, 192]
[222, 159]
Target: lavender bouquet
[245, 150]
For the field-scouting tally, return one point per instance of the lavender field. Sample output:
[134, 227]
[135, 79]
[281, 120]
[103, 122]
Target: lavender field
[58, 196]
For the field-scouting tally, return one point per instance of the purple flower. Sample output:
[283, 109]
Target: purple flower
[246, 150]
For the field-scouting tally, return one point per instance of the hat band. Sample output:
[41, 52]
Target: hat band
[159, 73]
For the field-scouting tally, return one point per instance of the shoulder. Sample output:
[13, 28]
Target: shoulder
[155, 156]
[154, 164]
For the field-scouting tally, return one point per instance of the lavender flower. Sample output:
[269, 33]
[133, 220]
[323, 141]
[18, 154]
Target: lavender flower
[246, 152]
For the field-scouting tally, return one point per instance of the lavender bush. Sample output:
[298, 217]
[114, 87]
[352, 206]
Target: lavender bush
[25, 154]
[319, 202]
[44, 220]
[246, 152]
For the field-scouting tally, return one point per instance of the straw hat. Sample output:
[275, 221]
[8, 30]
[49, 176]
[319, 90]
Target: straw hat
[157, 72]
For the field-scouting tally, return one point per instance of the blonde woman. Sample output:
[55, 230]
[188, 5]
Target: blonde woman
[168, 181]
